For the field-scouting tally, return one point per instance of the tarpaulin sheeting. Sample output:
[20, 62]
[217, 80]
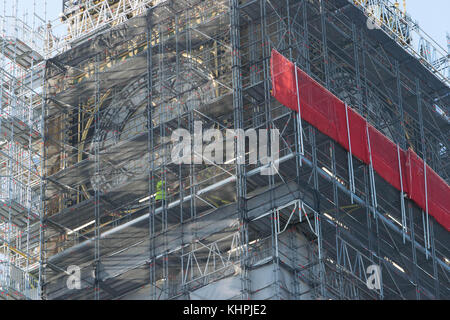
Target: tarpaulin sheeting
[438, 191]
[330, 117]
[284, 87]
[358, 135]
[387, 160]
[438, 198]
[327, 113]
[416, 178]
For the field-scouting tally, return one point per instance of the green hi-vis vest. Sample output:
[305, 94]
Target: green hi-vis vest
[160, 194]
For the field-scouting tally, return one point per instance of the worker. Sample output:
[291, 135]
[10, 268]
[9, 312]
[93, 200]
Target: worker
[160, 192]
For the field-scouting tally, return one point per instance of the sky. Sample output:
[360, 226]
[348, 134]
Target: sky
[433, 16]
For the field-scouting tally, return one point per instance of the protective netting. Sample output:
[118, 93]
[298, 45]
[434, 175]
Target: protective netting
[328, 114]
[387, 159]
[437, 194]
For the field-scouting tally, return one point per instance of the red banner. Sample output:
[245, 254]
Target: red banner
[387, 160]
[331, 116]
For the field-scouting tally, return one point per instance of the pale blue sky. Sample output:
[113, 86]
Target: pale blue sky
[433, 15]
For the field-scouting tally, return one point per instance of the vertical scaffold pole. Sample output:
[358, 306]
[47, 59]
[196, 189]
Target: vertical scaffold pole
[350, 158]
[426, 226]
[238, 123]
[97, 174]
[151, 156]
[426, 204]
[299, 119]
[402, 196]
[372, 176]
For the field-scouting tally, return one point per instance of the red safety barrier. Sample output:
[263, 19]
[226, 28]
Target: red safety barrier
[331, 116]
[438, 198]
[358, 134]
[387, 160]
[437, 189]
[284, 87]
[416, 178]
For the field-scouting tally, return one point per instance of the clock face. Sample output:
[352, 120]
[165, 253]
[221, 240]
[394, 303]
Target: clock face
[122, 134]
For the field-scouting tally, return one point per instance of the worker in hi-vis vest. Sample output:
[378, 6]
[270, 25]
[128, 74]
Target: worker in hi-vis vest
[160, 192]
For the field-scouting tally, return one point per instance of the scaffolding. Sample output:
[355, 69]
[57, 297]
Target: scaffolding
[407, 33]
[117, 86]
[21, 79]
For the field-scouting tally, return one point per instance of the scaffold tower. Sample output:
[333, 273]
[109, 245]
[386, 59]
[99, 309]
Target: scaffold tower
[21, 104]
